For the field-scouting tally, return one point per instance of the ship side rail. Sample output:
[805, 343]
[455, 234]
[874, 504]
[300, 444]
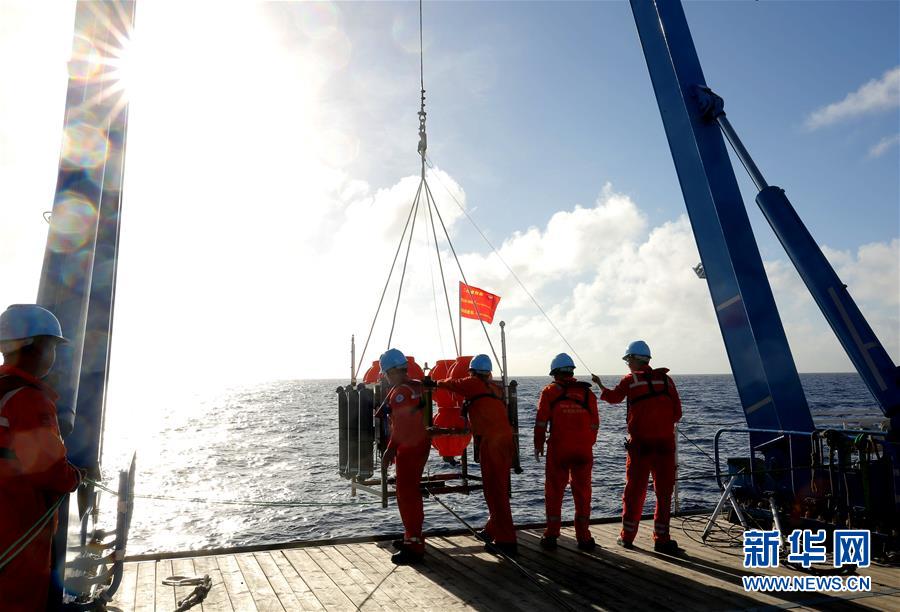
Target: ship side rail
[849, 474]
[94, 575]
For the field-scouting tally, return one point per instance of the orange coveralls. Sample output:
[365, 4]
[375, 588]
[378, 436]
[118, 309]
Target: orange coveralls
[34, 474]
[409, 438]
[490, 426]
[570, 408]
[653, 409]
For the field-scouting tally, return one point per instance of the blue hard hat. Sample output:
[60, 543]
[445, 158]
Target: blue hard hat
[638, 348]
[561, 361]
[481, 363]
[392, 358]
[25, 321]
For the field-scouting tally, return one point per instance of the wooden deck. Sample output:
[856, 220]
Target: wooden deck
[459, 574]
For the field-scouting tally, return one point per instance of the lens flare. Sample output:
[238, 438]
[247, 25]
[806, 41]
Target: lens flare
[86, 61]
[74, 218]
[84, 145]
[317, 19]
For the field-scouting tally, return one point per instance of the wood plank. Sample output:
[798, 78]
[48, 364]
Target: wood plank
[301, 590]
[571, 584]
[392, 589]
[278, 582]
[325, 589]
[486, 572]
[263, 594]
[369, 580]
[165, 595]
[183, 567]
[145, 597]
[347, 584]
[233, 579]
[217, 599]
[127, 591]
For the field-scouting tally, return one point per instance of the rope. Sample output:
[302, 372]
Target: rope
[383, 292]
[695, 445]
[510, 270]
[202, 586]
[437, 248]
[28, 536]
[437, 316]
[232, 502]
[428, 195]
[553, 595]
[406, 258]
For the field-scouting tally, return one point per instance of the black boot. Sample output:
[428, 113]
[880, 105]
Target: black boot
[407, 557]
[510, 549]
[548, 542]
[482, 535]
[624, 543]
[587, 545]
[667, 548]
[397, 544]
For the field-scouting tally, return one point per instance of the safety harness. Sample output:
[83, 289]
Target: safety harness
[468, 402]
[649, 380]
[564, 396]
[9, 386]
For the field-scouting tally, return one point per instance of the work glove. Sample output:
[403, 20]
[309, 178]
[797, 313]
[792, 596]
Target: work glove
[596, 380]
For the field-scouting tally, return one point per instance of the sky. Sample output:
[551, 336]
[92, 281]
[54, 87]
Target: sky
[272, 161]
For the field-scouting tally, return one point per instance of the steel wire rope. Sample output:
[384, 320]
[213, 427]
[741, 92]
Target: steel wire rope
[412, 232]
[437, 317]
[428, 194]
[437, 249]
[509, 269]
[532, 577]
[14, 549]
[386, 284]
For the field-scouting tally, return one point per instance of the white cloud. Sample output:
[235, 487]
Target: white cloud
[884, 145]
[875, 96]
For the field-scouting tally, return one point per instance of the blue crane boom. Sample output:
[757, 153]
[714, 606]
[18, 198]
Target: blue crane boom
[761, 362]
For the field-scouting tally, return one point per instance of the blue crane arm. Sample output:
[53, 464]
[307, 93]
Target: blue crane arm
[761, 361]
[868, 355]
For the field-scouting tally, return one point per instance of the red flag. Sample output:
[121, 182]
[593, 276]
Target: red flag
[486, 303]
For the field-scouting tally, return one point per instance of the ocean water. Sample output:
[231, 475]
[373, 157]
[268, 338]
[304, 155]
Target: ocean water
[278, 443]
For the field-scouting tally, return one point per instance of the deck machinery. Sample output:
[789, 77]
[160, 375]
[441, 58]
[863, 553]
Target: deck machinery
[803, 475]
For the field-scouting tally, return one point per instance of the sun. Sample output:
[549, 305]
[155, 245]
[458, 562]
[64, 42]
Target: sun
[102, 58]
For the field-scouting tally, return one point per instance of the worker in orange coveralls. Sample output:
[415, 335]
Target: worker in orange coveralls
[653, 409]
[410, 445]
[570, 408]
[485, 410]
[34, 472]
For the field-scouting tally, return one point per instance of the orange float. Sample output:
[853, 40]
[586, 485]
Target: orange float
[449, 414]
[373, 374]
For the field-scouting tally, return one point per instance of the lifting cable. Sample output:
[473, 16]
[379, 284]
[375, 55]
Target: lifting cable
[509, 269]
[413, 215]
[529, 575]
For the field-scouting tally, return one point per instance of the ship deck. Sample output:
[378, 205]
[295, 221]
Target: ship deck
[459, 574]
